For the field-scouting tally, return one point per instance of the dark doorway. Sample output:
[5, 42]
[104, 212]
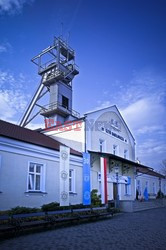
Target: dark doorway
[114, 191]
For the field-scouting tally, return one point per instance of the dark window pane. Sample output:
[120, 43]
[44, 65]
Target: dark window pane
[31, 182]
[65, 102]
[38, 168]
[31, 167]
[37, 182]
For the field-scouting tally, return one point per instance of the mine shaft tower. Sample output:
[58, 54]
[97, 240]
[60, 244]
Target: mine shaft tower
[57, 68]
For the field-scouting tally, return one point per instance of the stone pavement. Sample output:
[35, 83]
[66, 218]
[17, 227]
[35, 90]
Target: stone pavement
[130, 231]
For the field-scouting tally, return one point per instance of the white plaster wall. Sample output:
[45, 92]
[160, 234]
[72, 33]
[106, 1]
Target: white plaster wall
[93, 136]
[14, 172]
[72, 136]
[163, 186]
[151, 179]
[96, 184]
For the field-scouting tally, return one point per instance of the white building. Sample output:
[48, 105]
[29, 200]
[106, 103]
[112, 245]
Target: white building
[104, 133]
[31, 171]
[30, 166]
[153, 181]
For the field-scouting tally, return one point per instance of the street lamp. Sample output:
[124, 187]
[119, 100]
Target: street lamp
[117, 181]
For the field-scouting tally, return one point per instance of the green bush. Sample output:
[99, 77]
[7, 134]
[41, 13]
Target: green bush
[23, 210]
[53, 206]
[113, 210]
[160, 194]
[78, 206]
[95, 198]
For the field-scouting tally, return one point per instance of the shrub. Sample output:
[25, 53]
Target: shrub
[51, 207]
[78, 206]
[114, 210]
[160, 194]
[137, 194]
[95, 198]
[23, 210]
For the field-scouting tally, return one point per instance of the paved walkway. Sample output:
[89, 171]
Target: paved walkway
[141, 230]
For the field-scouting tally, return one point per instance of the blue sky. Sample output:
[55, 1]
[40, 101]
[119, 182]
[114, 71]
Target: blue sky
[120, 49]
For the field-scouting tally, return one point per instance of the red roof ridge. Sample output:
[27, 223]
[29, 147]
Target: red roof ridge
[16, 132]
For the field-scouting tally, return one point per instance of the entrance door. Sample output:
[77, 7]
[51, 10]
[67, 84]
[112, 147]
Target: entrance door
[114, 191]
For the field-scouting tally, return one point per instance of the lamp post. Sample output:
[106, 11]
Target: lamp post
[117, 181]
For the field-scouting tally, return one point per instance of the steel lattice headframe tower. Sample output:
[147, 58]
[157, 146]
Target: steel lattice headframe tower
[57, 68]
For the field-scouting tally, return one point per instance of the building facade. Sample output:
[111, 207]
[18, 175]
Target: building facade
[104, 133]
[30, 169]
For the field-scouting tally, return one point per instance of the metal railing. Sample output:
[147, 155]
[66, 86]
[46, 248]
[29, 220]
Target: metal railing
[58, 105]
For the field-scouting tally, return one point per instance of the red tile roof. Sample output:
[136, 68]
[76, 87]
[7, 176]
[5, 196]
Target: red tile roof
[30, 136]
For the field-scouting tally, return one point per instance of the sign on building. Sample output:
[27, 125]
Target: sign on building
[86, 179]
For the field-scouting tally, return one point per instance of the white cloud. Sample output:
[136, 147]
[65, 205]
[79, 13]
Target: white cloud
[142, 103]
[12, 102]
[151, 146]
[101, 105]
[5, 47]
[151, 152]
[5, 78]
[151, 129]
[13, 98]
[2, 49]
[146, 119]
[12, 6]
[34, 126]
[145, 115]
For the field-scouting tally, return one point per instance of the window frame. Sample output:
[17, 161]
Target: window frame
[127, 189]
[126, 154]
[153, 187]
[116, 149]
[101, 145]
[147, 185]
[65, 102]
[164, 188]
[42, 177]
[72, 178]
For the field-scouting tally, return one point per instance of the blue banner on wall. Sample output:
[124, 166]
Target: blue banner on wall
[129, 180]
[86, 179]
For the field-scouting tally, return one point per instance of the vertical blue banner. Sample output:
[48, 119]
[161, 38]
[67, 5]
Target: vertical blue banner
[86, 179]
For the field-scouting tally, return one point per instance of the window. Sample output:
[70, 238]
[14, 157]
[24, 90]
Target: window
[65, 102]
[160, 184]
[101, 145]
[72, 181]
[147, 185]
[35, 177]
[128, 187]
[99, 176]
[126, 155]
[154, 188]
[115, 149]
[139, 187]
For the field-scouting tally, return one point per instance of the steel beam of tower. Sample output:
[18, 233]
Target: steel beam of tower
[27, 114]
[57, 68]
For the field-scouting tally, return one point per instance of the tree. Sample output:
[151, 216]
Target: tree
[163, 167]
